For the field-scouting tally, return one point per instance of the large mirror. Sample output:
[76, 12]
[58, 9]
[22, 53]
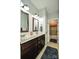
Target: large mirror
[35, 24]
[24, 21]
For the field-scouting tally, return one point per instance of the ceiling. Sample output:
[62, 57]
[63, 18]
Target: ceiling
[52, 6]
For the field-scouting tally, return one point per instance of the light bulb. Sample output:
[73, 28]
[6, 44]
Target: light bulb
[26, 7]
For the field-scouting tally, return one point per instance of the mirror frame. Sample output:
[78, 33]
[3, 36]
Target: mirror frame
[33, 24]
[27, 29]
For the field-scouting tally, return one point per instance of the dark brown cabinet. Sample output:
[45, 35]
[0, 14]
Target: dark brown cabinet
[32, 48]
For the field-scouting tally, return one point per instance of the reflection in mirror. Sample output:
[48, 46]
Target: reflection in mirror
[35, 25]
[24, 22]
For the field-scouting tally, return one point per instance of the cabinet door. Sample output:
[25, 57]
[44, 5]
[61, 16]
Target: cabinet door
[41, 42]
[29, 50]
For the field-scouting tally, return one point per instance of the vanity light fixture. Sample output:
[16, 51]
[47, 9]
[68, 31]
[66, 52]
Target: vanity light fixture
[25, 6]
[36, 16]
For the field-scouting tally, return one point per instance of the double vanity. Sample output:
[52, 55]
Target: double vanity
[31, 47]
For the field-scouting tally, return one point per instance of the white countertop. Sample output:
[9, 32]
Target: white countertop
[29, 37]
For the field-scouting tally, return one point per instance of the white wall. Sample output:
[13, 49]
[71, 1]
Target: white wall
[44, 15]
[53, 15]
